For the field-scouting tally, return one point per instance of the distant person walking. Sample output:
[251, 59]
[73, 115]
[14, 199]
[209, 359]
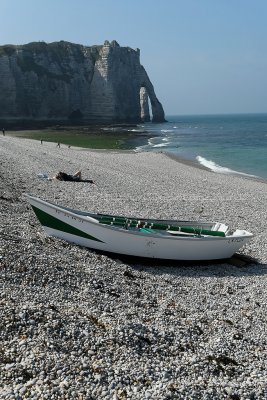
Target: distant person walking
[41, 141]
[58, 145]
[4, 133]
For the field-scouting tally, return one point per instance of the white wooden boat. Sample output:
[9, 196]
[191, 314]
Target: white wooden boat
[161, 239]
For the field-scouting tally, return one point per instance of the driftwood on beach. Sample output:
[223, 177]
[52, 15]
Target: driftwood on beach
[80, 324]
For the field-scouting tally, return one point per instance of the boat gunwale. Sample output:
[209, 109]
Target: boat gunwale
[82, 215]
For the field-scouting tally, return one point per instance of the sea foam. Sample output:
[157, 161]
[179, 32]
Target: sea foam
[218, 168]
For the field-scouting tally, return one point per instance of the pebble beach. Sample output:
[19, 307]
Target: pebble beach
[77, 324]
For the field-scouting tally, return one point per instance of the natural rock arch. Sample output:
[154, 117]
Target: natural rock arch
[147, 91]
[144, 104]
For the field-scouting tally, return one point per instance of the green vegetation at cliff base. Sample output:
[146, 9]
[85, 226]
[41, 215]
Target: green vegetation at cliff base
[78, 138]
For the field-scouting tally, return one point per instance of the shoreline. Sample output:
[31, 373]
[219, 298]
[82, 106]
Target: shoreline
[196, 164]
[191, 163]
[120, 144]
[85, 138]
[81, 324]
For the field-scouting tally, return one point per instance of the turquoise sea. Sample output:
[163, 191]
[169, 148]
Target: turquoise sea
[223, 143]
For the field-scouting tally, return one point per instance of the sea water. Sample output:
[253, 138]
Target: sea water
[223, 143]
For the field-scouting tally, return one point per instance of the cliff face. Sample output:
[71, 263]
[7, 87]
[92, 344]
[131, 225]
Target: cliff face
[62, 81]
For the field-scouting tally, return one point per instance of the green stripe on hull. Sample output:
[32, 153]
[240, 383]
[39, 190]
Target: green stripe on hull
[54, 223]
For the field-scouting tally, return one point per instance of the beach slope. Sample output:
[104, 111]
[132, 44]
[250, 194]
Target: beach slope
[79, 324]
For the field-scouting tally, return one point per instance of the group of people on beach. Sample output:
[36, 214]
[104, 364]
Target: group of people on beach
[63, 176]
[58, 144]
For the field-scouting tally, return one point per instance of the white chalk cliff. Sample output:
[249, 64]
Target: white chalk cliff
[63, 81]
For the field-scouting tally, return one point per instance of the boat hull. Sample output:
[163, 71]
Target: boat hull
[85, 231]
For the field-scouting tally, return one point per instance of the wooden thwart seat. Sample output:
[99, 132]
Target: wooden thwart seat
[134, 223]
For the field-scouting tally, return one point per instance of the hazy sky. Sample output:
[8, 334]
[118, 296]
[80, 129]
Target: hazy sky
[202, 56]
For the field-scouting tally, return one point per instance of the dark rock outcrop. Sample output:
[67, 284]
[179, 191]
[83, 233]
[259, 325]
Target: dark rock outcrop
[66, 81]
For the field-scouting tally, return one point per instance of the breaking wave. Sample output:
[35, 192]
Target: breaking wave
[218, 168]
[160, 145]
